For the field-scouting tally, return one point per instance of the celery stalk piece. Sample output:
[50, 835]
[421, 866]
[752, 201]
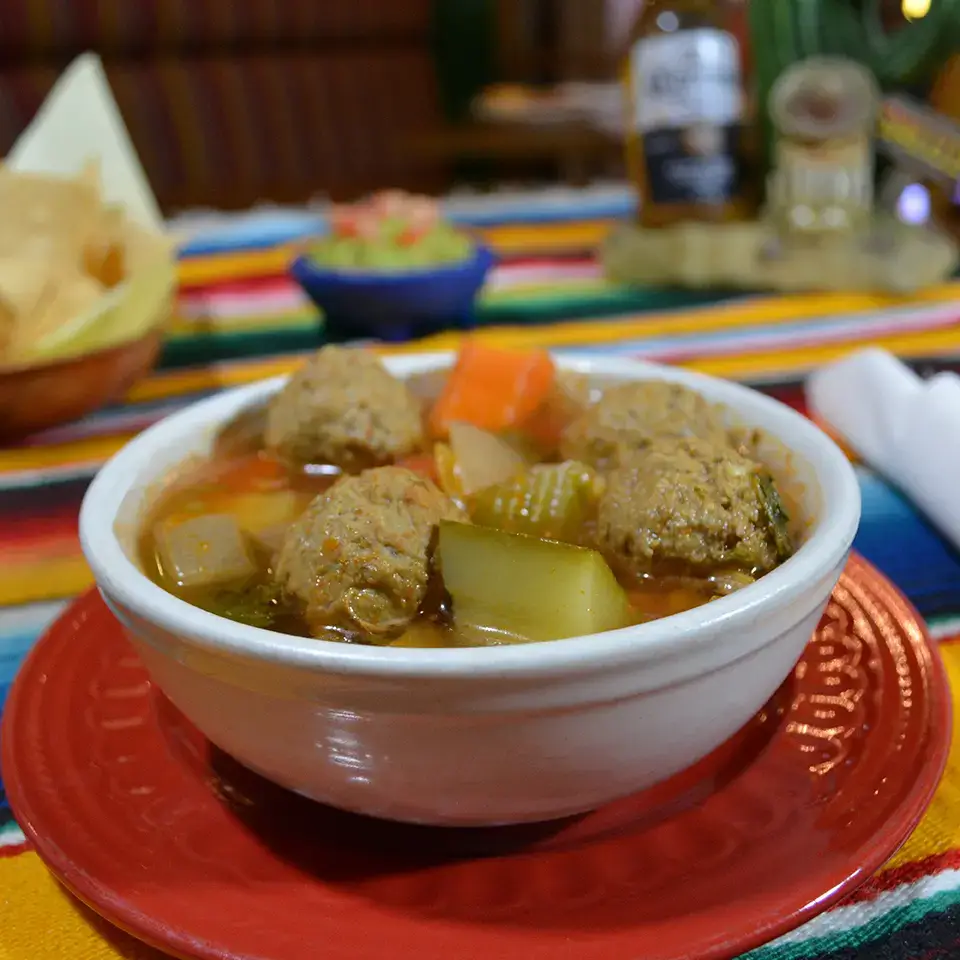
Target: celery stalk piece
[527, 588]
[550, 500]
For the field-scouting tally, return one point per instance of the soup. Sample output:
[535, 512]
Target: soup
[514, 504]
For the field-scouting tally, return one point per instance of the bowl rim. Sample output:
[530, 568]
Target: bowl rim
[667, 638]
[302, 268]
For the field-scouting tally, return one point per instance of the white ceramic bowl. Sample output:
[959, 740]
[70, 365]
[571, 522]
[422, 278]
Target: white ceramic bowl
[482, 735]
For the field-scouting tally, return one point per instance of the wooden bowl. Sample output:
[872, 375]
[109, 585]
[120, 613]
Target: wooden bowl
[36, 398]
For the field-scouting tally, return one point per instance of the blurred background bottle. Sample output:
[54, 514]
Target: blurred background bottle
[688, 125]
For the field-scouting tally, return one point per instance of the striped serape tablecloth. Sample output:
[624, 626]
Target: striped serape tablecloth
[240, 320]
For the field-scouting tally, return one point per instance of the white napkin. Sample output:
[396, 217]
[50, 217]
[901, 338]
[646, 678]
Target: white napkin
[905, 427]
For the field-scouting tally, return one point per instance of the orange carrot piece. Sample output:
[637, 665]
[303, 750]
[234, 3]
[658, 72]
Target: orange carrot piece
[257, 472]
[422, 464]
[546, 426]
[492, 389]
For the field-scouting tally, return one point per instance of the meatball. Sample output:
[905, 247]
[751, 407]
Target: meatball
[690, 504]
[344, 408]
[627, 418]
[358, 558]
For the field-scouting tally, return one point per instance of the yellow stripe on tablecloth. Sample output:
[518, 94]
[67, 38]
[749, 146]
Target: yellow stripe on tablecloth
[778, 362]
[939, 831]
[90, 450]
[639, 327]
[523, 237]
[942, 342]
[24, 580]
[726, 316]
[42, 922]
[239, 265]
[203, 269]
[175, 383]
[504, 239]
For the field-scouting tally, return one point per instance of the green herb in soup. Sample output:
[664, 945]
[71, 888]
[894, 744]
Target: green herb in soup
[255, 604]
[347, 511]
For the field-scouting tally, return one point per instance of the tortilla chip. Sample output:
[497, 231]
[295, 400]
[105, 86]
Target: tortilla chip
[73, 295]
[8, 320]
[90, 174]
[104, 257]
[143, 248]
[66, 299]
[52, 214]
[61, 249]
[24, 281]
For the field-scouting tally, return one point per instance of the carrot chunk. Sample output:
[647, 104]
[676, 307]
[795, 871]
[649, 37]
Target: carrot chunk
[258, 472]
[421, 463]
[493, 389]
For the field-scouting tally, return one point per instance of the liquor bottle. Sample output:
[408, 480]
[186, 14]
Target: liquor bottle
[945, 98]
[686, 131]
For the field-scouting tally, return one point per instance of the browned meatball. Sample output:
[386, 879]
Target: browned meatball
[344, 407]
[358, 558]
[691, 503]
[628, 417]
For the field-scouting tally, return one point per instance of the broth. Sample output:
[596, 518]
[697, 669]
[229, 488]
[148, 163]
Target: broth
[500, 470]
[242, 481]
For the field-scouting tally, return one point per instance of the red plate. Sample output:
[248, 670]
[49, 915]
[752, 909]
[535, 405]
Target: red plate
[172, 841]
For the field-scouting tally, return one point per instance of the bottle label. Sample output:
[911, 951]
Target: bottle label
[688, 109]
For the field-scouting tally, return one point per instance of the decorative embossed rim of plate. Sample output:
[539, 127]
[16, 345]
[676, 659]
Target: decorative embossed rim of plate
[139, 817]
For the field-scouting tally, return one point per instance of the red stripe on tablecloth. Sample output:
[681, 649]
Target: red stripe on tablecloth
[276, 283]
[57, 528]
[13, 849]
[278, 280]
[908, 873]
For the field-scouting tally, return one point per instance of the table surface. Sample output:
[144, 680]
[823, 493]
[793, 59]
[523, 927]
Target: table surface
[240, 319]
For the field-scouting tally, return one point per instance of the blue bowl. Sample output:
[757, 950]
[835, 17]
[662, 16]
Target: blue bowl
[395, 306]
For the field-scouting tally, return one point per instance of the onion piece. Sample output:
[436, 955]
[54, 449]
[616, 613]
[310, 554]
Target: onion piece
[483, 459]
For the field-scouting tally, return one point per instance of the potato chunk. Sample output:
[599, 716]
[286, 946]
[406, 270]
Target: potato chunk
[512, 587]
[205, 551]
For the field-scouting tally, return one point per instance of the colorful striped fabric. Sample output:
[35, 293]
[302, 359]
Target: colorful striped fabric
[241, 320]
